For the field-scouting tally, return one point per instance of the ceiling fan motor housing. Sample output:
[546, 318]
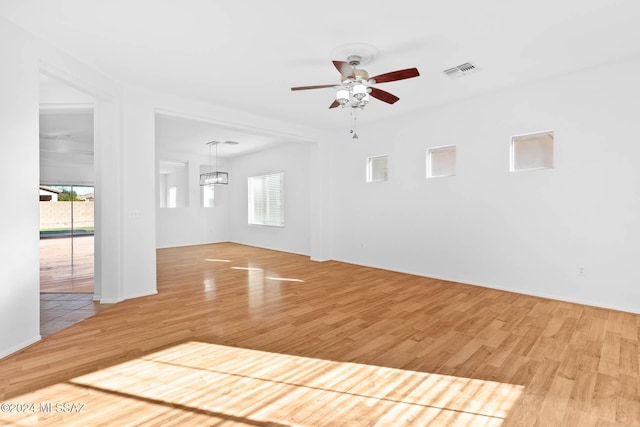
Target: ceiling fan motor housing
[358, 75]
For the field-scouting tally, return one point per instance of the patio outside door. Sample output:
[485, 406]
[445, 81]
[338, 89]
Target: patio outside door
[66, 238]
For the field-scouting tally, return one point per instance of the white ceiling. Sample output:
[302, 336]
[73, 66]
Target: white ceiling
[247, 54]
[66, 135]
[186, 135]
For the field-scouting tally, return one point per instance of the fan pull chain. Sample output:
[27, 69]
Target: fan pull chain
[354, 131]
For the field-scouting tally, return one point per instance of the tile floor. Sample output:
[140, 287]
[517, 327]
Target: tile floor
[61, 310]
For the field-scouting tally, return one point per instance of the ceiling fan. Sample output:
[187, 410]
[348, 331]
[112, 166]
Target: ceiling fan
[356, 86]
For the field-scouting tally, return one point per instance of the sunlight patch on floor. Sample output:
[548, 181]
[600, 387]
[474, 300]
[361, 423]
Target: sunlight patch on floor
[217, 260]
[204, 383]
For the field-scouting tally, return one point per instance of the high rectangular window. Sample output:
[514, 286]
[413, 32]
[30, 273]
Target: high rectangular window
[173, 184]
[377, 168]
[266, 199]
[172, 199]
[441, 161]
[207, 192]
[208, 196]
[532, 151]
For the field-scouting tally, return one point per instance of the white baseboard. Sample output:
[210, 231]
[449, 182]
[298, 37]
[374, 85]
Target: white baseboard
[464, 281]
[140, 295]
[20, 346]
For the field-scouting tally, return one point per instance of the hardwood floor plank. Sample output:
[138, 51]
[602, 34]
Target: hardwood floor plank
[245, 336]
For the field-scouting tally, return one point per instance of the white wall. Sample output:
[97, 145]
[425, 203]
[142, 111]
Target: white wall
[54, 94]
[293, 160]
[138, 197]
[321, 165]
[527, 232]
[19, 251]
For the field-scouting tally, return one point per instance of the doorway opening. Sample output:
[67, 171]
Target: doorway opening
[66, 206]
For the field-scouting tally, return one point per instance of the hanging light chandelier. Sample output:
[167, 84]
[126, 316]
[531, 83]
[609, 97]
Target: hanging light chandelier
[214, 177]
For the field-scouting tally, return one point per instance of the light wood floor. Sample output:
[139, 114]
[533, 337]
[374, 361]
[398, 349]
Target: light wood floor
[251, 337]
[59, 272]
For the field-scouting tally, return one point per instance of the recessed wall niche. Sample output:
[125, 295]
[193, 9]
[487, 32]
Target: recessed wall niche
[173, 184]
[441, 161]
[378, 168]
[532, 151]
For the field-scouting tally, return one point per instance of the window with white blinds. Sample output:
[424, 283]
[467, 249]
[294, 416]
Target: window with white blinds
[266, 199]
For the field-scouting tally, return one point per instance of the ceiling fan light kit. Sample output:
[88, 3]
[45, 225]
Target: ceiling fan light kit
[356, 87]
[343, 97]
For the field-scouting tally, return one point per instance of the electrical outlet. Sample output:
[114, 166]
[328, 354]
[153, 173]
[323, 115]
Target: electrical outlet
[580, 271]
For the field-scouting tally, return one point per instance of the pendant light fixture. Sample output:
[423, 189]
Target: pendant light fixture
[214, 177]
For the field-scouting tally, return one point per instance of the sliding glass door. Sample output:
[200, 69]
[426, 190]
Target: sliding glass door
[66, 238]
[66, 210]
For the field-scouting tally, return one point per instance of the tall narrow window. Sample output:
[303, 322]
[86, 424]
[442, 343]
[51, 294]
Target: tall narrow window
[441, 161]
[532, 151]
[377, 168]
[266, 199]
[207, 192]
[172, 199]
[208, 196]
[173, 184]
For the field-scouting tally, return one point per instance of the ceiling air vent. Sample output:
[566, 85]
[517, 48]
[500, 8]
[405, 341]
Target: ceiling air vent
[231, 142]
[460, 70]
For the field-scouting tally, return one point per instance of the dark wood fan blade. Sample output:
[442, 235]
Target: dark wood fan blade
[344, 68]
[334, 104]
[311, 87]
[382, 95]
[396, 75]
